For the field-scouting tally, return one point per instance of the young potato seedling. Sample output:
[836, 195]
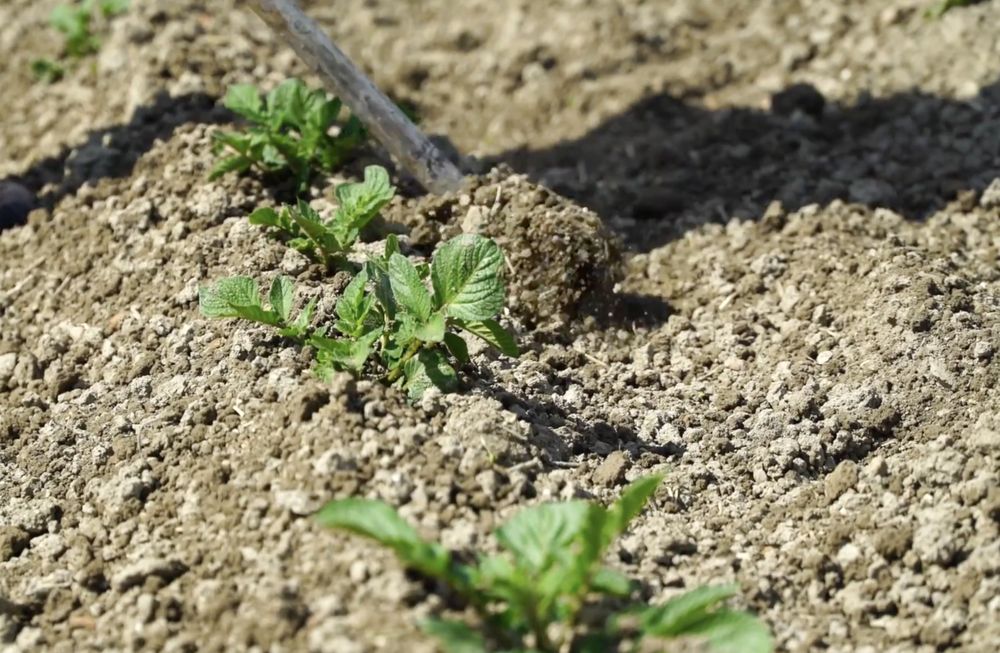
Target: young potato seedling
[941, 7]
[388, 313]
[328, 241]
[73, 21]
[240, 297]
[531, 597]
[289, 131]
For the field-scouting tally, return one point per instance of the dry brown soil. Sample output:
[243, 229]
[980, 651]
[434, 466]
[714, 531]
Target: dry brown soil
[754, 244]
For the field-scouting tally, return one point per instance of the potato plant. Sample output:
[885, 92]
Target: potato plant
[532, 596]
[294, 130]
[396, 320]
[75, 23]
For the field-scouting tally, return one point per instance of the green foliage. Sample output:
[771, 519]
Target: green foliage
[240, 297]
[396, 320]
[943, 6]
[75, 23]
[328, 241]
[47, 70]
[388, 313]
[289, 131]
[529, 598]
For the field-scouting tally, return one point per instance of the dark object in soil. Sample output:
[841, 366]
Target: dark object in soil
[798, 97]
[16, 203]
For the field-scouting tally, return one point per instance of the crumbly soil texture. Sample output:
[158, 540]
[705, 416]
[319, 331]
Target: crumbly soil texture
[754, 246]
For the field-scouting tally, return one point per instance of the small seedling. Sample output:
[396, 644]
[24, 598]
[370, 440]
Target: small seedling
[74, 22]
[240, 297]
[328, 241]
[531, 597]
[944, 6]
[290, 131]
[388, 313]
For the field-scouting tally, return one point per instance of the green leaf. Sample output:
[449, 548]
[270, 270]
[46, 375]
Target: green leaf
[244, 99]
[432, 330]
[539, 535]
[47, 71]
[609, 581]
[281, 296]
[728, 631]
[265, 216]
[456, 345]
[235, 297]
[230, 164]
[678, 615]
[427, 369]
[222, 299]
[494, 335]
[310, 222]
[360, 203]
[466, 276]
[300, 326]
[354, 306]
[391, 246]
[111, 8]
[455, 636]
[378, 521]
[286, 104]
[631, 502]
[343, 353]
[408, 290]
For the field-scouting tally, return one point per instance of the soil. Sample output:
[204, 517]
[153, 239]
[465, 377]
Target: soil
[753, 245]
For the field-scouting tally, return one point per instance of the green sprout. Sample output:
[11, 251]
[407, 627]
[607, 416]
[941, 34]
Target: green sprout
[74, 22]
[240, 297]
[329, 241]
[944, 6]
[387, 313]
[290, 131]
[531, 597]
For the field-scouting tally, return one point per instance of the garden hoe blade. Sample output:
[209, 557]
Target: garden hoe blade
[380, 115]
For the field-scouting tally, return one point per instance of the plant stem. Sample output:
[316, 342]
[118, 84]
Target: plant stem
[411, 351]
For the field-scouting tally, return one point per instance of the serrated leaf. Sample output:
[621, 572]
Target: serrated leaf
[223, 298]
[609, 581]
[230, 164]
[110, 8]
[235, 297]
[344, 353]
[427, 369]
[360, 203]
[466, 276]
[407, 289]
[539, 535]
[300, 326]
[728, 631]
[391, 246]
[286, 104]
[455, 636]
[244, 99]
[265, 216]
[432, 330]
[494, 335]
[674, 617]
[309, 221]
[457, 346]
[281, 296]
[379, 522]
[628, 506]
[354, 305]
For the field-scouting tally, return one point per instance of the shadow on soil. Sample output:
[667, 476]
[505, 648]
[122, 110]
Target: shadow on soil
[113, 152]
[667, 165]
